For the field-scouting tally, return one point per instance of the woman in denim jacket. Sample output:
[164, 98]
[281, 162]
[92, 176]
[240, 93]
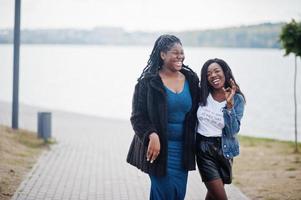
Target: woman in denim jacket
[219, 114]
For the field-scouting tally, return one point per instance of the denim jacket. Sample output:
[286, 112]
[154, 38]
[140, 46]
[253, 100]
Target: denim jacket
[232, 118]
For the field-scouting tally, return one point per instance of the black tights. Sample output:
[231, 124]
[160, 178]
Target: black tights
[216, 190]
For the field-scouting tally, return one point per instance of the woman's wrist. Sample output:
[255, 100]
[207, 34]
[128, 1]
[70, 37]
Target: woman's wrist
[229, 105]
[153, 135]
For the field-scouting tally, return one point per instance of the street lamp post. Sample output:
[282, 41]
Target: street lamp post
[15, 106]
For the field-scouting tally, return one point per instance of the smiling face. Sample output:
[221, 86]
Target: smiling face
[216, 76]
[173, 58]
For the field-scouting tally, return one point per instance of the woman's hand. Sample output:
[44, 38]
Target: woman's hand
[153, 149]
[229, 94]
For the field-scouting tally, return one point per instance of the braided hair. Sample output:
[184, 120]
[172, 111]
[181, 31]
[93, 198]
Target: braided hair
[205, 87]
[163, 44]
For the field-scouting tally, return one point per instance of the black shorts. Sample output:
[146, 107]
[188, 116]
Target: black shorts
[210, 159]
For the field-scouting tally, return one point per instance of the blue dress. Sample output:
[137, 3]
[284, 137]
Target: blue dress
[173, 185]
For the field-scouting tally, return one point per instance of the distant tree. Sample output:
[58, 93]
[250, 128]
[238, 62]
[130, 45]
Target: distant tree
[290, 38]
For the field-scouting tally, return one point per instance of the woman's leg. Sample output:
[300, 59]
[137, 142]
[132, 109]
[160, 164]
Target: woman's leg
[209, 196]
[216, 190]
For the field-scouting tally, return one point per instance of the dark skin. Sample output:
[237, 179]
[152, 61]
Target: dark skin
[216, 79]
[173, 79]
[216, 190]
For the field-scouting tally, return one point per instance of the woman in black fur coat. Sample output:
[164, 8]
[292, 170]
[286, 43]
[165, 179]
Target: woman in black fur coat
[164, 118]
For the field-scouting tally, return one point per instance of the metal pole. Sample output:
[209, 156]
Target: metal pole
[15, 108]
[296, 108]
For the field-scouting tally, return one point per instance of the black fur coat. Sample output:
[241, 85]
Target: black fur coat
[149, 114]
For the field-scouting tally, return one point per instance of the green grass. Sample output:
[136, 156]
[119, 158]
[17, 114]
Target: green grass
[253, 141]
[29, 139]
[291, 169]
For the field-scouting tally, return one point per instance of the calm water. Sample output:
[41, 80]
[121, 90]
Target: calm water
[99, 80]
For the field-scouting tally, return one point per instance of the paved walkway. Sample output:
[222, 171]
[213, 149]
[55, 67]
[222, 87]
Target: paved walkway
[88, 162]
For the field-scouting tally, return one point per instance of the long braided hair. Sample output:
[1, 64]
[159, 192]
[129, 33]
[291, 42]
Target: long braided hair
[206, 88]
[163, 44]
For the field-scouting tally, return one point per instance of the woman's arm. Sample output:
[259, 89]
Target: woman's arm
[139, 117]
[234, 115]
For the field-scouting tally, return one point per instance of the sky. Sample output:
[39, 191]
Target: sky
[148, 15]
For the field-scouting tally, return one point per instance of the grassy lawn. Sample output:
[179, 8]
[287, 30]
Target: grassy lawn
[268, 169]
[19, 151]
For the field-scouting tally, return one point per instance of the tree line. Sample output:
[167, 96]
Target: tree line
[253, 36]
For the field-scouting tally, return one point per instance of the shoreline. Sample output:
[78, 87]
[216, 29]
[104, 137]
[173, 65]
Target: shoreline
[28, 118]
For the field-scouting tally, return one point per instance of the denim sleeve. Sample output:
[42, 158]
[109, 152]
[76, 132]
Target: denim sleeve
[233, 117]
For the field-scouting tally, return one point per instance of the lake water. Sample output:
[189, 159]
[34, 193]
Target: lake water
[99, 80]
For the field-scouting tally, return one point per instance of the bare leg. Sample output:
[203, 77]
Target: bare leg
[216, 190]
[209, 196]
